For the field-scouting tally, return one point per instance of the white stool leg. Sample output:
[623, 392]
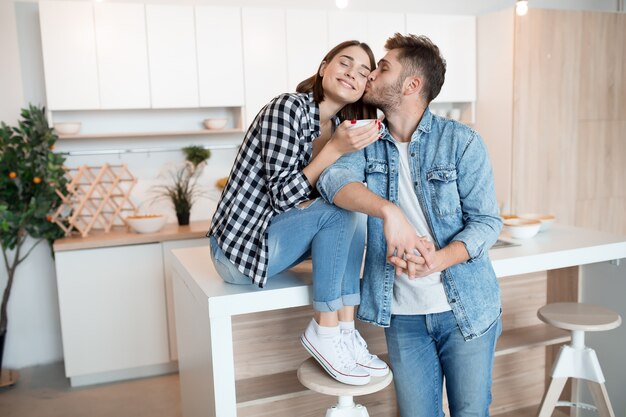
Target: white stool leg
[551, 397]
[346, 408]
[601, 399]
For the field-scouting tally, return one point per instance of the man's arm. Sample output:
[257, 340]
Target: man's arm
[399, 233]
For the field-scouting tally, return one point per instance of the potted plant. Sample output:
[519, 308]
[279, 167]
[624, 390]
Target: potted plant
[196, 154]
[182, 190]
[30, 173]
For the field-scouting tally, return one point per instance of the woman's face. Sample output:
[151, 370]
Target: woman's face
[345, 76]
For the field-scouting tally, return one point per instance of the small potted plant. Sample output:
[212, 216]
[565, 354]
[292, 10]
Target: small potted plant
[30, 174]
[182, 189]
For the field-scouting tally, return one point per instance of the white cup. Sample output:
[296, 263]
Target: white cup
[361, 122]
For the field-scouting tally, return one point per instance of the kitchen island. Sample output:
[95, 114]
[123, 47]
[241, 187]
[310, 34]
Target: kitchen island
[238, 345]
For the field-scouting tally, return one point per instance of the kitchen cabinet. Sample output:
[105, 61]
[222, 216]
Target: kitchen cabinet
[69, 53]
[456, 38]
[343, 26]
[124, 82]
[380, 27]
[113, 309]
[172, 56]
[265, 60]
[305, 52]
[220, 58]
[115, 300]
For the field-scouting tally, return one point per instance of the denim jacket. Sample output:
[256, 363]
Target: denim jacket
[453, 182]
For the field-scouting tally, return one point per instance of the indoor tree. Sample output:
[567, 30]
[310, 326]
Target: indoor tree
[30, 174]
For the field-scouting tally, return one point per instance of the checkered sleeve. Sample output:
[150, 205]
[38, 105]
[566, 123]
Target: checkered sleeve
[281, 137]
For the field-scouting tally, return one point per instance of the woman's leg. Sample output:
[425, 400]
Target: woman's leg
[327, 232]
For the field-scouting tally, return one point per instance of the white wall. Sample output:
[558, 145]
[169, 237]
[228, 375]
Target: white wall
[34, 330]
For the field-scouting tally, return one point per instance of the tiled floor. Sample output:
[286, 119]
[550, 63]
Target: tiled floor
[43, 391]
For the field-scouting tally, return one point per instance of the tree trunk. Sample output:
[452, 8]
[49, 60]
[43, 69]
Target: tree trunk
[2, 338]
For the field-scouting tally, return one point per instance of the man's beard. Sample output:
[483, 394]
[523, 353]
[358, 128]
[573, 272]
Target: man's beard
[386, 98]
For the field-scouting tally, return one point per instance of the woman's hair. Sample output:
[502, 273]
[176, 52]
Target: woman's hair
[313, 84]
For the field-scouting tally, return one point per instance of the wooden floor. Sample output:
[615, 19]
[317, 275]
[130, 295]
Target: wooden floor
[43, 391]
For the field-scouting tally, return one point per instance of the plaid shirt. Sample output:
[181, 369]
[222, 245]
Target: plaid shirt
[266, 179]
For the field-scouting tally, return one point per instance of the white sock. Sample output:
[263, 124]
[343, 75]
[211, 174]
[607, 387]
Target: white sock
[346, 325]
[325, 330]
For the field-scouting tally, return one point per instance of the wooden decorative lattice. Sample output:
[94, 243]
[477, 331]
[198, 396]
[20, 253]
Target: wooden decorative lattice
[95, 198]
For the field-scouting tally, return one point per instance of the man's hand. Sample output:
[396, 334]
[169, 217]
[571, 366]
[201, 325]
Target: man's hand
[415, 266]
[401, 238]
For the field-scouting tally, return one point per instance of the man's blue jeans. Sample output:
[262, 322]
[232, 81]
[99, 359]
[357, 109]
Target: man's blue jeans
[425, 348]
[332, 236]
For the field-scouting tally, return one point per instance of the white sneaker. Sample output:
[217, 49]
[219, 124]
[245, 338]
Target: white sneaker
[333, 355]
[358, 348]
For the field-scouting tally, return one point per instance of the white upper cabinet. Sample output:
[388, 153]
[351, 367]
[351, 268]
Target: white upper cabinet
[69, 52]
[172, 56]
[380, 27]
[265, 59]
[346, 26]
[220, 58]
[122, 55]
[305, 50]
[456, 38]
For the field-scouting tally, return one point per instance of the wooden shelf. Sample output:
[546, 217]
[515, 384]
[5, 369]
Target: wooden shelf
[152, 134]
[530, 411]
[522, 338]
[264, 389]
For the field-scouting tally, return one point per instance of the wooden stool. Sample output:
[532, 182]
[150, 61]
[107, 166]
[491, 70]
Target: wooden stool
[312, 376]
[577, 360]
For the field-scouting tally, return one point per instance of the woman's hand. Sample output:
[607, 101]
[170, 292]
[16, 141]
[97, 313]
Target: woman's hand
[347, 139]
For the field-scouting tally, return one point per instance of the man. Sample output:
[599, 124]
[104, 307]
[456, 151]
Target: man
[427, 178]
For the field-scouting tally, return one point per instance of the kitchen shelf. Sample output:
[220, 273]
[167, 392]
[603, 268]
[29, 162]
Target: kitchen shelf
[152, 134]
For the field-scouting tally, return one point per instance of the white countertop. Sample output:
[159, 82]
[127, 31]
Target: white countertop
[559, 247]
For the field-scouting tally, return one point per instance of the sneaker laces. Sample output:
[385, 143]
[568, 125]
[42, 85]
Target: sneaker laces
[359, 346]
[346, 360]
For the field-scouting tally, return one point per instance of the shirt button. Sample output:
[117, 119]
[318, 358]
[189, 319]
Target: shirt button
[413, 154]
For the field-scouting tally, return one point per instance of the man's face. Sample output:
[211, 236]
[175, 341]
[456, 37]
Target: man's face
[385, 85]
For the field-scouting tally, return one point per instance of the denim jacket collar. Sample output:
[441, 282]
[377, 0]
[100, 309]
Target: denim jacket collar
[425, 125]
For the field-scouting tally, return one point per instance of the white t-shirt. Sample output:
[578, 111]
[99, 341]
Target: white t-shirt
[421, 295]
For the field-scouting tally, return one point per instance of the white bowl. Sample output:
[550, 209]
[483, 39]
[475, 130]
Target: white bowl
[521, 228]
[146, 223]
[546, 219]
[67, 128]
[215, 123]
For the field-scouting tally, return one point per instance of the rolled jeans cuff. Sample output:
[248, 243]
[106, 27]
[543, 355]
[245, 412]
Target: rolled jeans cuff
[337, 304]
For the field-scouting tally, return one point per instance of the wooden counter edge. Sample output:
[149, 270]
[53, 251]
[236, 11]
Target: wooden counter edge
[122, 236]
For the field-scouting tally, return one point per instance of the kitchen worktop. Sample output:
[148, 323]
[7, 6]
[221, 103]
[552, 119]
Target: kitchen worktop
[214, 319]
[122, 235]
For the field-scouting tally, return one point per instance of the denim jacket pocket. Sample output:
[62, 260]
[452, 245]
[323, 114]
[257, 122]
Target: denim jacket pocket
[376, 176]
[443, 190]
[379, 166]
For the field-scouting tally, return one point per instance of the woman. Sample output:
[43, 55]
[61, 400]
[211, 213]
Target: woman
[269, 219]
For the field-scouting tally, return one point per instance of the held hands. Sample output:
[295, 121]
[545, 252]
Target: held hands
[347, 139]
[402, 242]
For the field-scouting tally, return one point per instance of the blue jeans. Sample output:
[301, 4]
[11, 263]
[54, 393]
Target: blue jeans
[425, 348]
[333, 237]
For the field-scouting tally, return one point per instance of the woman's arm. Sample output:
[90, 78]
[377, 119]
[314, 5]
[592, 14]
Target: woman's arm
[345, 140]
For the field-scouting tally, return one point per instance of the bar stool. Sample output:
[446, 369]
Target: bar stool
[312, 376]
[577, 360]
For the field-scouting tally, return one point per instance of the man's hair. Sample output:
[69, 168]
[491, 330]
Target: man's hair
[313, 84]
[420, 56]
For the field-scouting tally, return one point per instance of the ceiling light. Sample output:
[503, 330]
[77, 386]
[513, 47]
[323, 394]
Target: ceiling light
[342, 4]
[521, 7]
